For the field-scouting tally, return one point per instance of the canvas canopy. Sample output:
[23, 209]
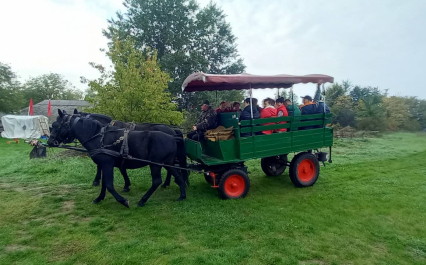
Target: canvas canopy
[24, 127]
[208, 82]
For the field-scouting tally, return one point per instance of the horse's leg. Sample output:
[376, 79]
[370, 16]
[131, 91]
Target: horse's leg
[126, 179]
[179, 181]
[97, 179]
[101, 196]
[156, 181]
[185, 176]
[108, 177]
[168, 179]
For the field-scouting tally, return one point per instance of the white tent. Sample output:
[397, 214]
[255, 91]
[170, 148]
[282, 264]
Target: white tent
[24, 127]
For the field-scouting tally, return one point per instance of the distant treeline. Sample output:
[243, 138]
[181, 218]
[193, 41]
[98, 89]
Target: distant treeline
[15, 95]
[368, 108]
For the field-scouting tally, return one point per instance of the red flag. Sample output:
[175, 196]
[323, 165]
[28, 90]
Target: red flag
[31, 108]
[49, 109]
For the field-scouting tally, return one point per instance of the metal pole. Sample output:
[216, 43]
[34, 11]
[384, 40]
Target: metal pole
[323, 91]
[292, 103]
[292, 98]
[251, 102]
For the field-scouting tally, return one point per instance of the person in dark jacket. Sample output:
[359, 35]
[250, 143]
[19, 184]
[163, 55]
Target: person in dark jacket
[206, 121]
[254, 100]
[308, 106]
[246, 114]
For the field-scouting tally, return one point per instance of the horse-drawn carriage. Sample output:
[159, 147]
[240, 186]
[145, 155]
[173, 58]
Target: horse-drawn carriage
[222, 161]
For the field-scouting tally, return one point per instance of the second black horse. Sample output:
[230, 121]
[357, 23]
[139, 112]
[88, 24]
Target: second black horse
[158, 148]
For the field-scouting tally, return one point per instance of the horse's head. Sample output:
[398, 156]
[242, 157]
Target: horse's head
[61, 130]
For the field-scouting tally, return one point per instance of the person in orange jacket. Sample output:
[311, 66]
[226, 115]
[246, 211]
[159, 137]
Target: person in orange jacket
[268, 111]
[281, 112]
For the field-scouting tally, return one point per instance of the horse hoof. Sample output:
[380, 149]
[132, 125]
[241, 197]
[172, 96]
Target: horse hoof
[95, 183]
[141, 204]
[126, 203]
[181, 199]
[96, 201]
[163, 186]
[126, 189]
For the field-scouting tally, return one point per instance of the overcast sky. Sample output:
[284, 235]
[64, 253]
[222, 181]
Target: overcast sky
[371, 43]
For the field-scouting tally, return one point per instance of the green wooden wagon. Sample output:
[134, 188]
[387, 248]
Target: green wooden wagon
[223, 161]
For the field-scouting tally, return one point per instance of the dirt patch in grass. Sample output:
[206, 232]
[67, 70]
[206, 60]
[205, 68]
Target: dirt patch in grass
[15, 247]
[37, 189]
[313, 262]
[68, 206]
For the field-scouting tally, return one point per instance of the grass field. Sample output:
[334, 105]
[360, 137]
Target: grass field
[368, 207]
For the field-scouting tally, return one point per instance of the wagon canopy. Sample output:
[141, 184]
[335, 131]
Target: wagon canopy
[209, 82]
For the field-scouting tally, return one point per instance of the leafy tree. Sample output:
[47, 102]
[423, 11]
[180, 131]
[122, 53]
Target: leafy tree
[372, 94]
[398, 115]
[417, 109]
[187, 38]
[343, 111]
[370, 115]
[50, 86]
[11, 98]
[333, 92]
[135, 90]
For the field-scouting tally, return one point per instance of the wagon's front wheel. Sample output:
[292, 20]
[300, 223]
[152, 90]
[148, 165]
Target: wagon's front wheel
[304, 170]
[234, 184]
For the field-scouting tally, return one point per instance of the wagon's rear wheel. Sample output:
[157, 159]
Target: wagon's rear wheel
[274, 165]
[304, 170]
[234, 184]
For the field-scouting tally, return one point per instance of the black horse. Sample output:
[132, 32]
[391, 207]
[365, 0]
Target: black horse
[137, 127]
[158, 148]
[106, 120]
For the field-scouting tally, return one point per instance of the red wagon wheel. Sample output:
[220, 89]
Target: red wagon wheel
[304, 170]
[234, 184]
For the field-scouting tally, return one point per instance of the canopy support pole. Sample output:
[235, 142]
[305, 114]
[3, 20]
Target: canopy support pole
[292, 103]
[323, 91]
[251, 102]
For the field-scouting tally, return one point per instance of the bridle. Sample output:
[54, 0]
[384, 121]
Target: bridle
[66, 122]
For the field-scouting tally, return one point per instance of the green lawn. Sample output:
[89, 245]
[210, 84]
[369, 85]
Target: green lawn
[368, 207]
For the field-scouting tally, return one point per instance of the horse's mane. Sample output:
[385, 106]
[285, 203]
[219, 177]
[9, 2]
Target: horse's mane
[90, 127]
[96, 116]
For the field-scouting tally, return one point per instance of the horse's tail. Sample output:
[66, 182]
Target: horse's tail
[178, 133]
[181, 156]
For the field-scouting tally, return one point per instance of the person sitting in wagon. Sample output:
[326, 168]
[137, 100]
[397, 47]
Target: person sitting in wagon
[221, 106]
[268, 112]
[254, 100]
[206, 121]
[309, 107]
[281, 112]
[246, 114]
[225, 106]
[236, 107]
[290, 108]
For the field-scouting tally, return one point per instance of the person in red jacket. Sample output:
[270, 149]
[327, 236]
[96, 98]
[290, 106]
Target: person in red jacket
[268, 111]
[281, 112]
